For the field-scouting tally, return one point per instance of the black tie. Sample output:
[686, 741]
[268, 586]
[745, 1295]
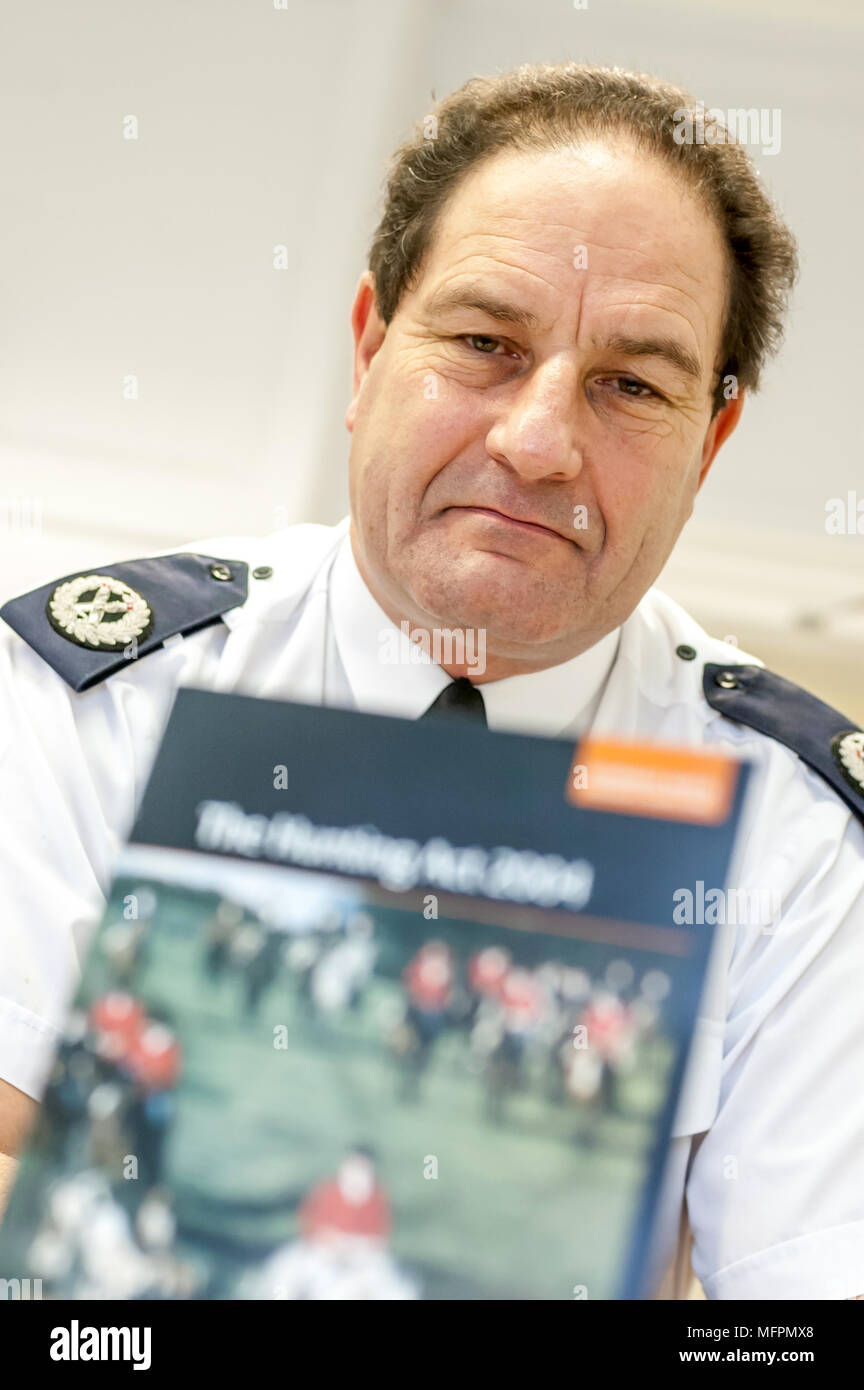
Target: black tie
[459, 698]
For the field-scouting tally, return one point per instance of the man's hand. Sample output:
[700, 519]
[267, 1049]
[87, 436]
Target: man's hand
[17, 1113]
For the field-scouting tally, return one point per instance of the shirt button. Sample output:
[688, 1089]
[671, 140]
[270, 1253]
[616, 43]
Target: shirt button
[220, 572]
[686, 653]
[262, 572]
[727, 680]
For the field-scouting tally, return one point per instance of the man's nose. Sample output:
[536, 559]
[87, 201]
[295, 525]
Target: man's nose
[538, 431]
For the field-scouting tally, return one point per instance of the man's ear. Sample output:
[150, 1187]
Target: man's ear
[368, 328]
[719, 431]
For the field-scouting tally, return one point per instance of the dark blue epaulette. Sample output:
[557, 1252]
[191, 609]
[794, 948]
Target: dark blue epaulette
[823, 738]
[88, 626]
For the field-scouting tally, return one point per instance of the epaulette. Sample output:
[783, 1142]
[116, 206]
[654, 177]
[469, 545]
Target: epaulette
[88, 626]
[823, 738]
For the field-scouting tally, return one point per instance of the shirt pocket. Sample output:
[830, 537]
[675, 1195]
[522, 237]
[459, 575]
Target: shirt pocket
[700, 1090]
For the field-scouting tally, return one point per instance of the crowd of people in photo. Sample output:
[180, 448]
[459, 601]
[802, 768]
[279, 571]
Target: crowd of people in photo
[548, 1029]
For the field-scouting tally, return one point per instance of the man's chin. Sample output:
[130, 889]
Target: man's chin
[514, 616]
[514, 602]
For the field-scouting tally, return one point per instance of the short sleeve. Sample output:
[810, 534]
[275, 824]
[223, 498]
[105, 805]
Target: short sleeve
[776, 1187]
[71, 769]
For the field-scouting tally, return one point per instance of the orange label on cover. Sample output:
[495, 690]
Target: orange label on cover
[641, 779]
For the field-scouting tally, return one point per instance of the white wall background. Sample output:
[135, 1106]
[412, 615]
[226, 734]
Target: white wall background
[153, 258]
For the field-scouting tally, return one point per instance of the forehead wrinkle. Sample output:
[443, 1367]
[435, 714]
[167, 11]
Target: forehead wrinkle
[700, 317]
[666, 308]
[559, 254]
[568, 227]
[476, 275]
[656, 277]
[501, 236]
[657, 270]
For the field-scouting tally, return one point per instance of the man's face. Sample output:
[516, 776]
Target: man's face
[531, 429]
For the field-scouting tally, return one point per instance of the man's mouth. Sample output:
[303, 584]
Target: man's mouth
[519, 523]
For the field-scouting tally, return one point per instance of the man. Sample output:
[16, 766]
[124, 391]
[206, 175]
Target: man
[565, 308]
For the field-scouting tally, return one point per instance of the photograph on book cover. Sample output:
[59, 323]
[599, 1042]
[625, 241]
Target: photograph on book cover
[279, 1084]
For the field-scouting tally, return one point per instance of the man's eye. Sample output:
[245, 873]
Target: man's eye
[474, 339]
[637, 389]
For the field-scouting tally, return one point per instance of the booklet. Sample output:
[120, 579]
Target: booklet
[378, 1009]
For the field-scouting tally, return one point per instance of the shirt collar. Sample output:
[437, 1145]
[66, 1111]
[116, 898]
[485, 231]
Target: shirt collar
[388, 674]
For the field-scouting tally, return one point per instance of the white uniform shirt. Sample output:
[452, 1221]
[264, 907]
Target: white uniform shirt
[775, 1083]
